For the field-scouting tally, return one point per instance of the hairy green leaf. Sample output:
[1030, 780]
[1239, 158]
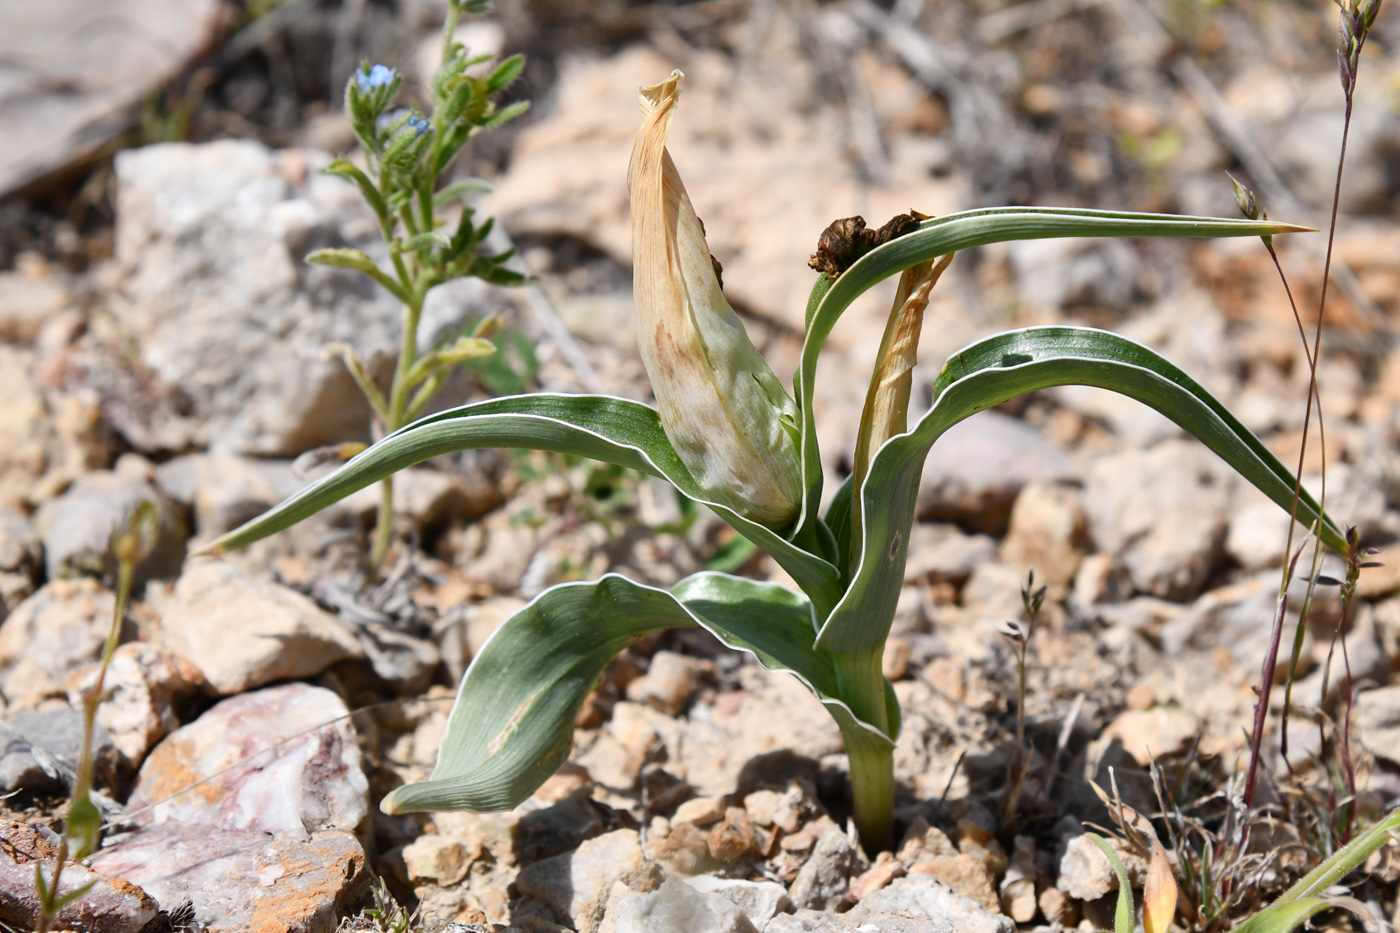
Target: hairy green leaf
[1124, 913]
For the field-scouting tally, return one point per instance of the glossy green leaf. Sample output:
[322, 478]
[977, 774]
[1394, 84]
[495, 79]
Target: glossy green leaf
[942, 235]
[612, 430]
[1002, 367]
[513, 722]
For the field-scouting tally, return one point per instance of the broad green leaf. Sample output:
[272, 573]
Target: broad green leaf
[1002, 367]
[513, 722]
[942, 235]
[1123, 915]
[612, 430]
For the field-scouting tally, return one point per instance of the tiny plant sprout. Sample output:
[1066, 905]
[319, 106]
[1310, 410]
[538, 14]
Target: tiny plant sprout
[406, 152]
[131, 542]
[726, 434]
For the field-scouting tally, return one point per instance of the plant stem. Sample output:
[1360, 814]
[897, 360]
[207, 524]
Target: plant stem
[862, 685]
[872, 787]
[398, 405]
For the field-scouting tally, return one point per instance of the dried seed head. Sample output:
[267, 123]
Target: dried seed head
[134, 539]
[726, 414]
[846, 240]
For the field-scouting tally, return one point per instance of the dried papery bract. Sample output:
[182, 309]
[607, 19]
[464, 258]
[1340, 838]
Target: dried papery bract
[886, 411]
[726, 414]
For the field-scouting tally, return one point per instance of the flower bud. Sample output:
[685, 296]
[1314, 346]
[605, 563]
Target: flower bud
[726, 414]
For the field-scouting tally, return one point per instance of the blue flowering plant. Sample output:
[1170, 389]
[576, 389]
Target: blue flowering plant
[725, 432]
[406, 153]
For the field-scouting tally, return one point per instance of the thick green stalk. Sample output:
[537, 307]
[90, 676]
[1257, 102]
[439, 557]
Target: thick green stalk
[861, 684]
[872, 787]
[398, 405]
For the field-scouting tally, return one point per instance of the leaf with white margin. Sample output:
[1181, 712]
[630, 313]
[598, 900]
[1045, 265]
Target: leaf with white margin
[513, 723]
[599, 427]
[1000, 368]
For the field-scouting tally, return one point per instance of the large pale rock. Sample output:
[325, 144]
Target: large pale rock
[975, 471]
[50, 437]
[942, 553]
[760, 901]
[1163, 513]
[678, 906]
[242, 881]
[107, 906]
[1046, 533]
[212, 240]
[224, 491]
[283, 760]
[1087, 875]
[60, 628]
[77, 527]
[73, 69]
[1377, 717]
[140, 686]
[1156, 734]
[913, 904]
[822, 882]
[37, 747]
[20, 548]
[243, 631]
[29, 296]
[578, 884]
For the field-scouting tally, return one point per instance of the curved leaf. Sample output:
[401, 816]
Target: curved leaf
[513, 722]
[1124, 912]
[600, 427]
[1002, 367]
[942, 235]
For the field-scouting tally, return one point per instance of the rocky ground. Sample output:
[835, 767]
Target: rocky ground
[160, 338]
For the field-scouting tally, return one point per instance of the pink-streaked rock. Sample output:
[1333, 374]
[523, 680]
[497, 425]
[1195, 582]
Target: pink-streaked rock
[109, 906]
[240, 880]
[141, 683]
[293, 766]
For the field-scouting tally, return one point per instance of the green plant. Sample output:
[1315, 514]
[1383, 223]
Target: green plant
[386, 916]
[1305, 899]
[727, 435]
[1021, 634]
[406, 153]
[131, 543]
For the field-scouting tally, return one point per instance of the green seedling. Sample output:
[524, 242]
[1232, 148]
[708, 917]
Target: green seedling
[406, 153]
[131, 543]
[1307, 898]
[727, 435]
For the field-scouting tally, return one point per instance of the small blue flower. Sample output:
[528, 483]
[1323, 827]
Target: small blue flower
[419, 124]
[378, 76]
